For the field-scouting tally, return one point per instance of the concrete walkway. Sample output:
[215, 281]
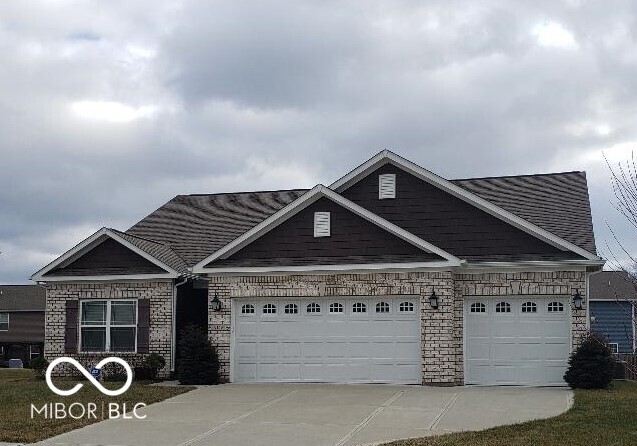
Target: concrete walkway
[319, 414]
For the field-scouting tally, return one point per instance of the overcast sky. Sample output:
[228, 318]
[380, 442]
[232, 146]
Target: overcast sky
[108, 109]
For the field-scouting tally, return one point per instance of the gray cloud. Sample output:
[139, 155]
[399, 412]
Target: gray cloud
[241, 95]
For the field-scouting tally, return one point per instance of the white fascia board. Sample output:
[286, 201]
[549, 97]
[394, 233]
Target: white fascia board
[387, 156]
[85, 245]
[111, 278]
[304, 201]
[345, 268]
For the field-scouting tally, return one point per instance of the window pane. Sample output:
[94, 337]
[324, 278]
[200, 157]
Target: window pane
[123, 313]
[4, 321]
[123, 339]
[94, 312]
[93, 339]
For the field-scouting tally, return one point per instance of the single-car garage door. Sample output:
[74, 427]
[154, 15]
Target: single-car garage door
[516, 341]
[339, 340]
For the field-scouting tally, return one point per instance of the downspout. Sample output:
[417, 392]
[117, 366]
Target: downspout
[173, 328]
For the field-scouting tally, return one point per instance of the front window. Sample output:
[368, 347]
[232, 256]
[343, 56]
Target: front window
[108, 326]
[4, 321]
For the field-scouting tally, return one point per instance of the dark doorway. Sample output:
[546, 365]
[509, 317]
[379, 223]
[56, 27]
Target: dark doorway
[191, 309]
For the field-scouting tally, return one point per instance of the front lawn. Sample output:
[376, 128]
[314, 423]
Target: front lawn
[19, 389]
[598, 417]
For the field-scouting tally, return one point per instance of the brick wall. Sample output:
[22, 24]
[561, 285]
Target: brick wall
[442, 330]
[159, 292]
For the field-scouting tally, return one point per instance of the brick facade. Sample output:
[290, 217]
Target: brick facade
[441, 329]
[160, 294]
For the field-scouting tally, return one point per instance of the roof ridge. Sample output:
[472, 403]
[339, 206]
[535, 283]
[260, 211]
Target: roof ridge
[243, 192]
[519, 176]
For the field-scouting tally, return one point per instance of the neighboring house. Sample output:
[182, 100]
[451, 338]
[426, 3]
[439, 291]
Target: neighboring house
[390, 274]
[21, 322]
[613, 297]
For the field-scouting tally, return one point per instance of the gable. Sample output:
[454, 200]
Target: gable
[448, 222]
[352, 240]
[107, 258]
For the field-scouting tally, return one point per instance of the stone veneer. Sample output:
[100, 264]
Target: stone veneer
[442, 336]
[160, 294]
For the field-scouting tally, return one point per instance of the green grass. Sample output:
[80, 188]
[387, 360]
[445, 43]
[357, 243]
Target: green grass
[19, 389]
[598, 418]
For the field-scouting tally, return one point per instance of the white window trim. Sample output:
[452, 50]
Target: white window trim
[108, 325]
[31, 352]
[616, 347]
[314, 305]
[8, 324]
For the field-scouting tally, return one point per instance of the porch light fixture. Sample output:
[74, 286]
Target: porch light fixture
[215, 303]
[578, 300]
[433, 300]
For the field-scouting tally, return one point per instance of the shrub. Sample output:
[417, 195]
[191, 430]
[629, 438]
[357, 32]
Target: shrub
[591, 366]
[39, 366]
[113, 372]
[198, 360]
[150, 367]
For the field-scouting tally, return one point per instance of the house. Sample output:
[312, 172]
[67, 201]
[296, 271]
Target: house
[390, 274]
[21, 322]
[613, 301]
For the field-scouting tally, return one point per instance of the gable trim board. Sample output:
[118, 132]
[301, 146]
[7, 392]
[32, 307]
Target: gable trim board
[87, 245]
[301, 203]
[387, 156]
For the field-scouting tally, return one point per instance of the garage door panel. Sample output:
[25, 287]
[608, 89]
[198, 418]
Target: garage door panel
[522, 348]
[333, 347]
[478, 349]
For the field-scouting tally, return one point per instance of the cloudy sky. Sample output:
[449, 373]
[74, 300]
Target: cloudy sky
[109, 109]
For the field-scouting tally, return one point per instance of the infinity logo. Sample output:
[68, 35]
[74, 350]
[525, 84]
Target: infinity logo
[87, 374]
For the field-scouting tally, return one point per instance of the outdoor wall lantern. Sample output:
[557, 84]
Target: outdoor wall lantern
[578, 300]
[433, 300]
[215, 303]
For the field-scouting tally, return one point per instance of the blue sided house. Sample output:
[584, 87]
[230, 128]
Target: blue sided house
[613, 301]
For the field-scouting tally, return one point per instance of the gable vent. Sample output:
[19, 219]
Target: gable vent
[321, 224]
[387, 186]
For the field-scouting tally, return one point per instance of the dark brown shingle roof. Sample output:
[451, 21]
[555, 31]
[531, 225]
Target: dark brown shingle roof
[195, 226]
[22, 298]
[557, 202]
[612, 285]
[159, 251]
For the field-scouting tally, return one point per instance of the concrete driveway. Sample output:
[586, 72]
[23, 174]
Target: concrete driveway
[320, 414]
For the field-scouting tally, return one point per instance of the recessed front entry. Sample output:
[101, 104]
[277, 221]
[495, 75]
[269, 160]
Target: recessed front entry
[516, 340]
[359, 339]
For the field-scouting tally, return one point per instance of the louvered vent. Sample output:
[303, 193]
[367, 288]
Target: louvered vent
[321, 224]
[387, 186]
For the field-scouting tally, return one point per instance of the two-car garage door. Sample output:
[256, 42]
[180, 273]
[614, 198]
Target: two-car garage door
[359, 339]
[516, 341]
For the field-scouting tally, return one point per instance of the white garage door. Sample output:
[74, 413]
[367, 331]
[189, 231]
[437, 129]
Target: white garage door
[517, 341]
[341, 340]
